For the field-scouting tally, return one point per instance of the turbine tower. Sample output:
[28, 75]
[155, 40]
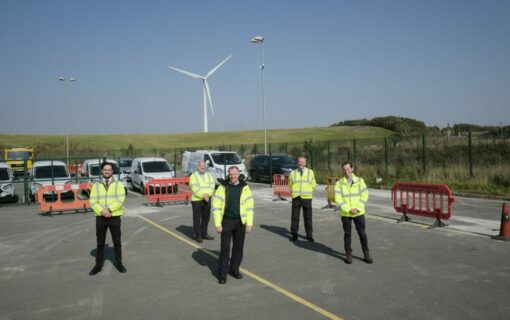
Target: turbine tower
[206, 90]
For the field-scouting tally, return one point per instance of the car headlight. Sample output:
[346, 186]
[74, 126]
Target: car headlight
[148, 178]
[220, 171]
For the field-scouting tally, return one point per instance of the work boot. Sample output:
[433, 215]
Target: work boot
[348, 258]
[294, 237]
[367, 257]
[97, 268]
[120, 267]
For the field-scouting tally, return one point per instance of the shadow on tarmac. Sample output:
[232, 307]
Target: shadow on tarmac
[200, 256]
[109, 254]
[313, 246]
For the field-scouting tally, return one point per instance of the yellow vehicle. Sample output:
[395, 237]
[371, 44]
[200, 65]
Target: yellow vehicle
[16, 157]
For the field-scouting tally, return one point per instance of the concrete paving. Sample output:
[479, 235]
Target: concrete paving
[456, 272]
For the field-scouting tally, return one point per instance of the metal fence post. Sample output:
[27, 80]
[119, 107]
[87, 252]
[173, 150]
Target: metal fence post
[424, 154]
[270, 167]
[470, 154]
[354, 151]
[329, 160]
[25, 184]
[386, 154]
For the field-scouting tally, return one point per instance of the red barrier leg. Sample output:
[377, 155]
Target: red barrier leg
[438, 223]
[504, 230]
[404, 215]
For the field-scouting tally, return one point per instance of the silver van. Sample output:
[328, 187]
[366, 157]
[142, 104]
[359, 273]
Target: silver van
[217, 163]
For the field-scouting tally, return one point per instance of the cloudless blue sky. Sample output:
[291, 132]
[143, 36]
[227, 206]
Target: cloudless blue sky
[439, 61]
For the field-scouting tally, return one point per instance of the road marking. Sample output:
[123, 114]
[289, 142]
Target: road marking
[252, 275]
[135, 193]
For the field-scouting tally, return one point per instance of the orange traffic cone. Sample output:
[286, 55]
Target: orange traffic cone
[504, 231]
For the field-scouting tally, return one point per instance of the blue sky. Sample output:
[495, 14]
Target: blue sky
[326, 61]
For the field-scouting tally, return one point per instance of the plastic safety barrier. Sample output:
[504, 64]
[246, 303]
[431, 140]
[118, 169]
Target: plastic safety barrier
[74, 168]
[330, 191]
[281, 186]
[168, 190]
[428, 200]
[55, 203]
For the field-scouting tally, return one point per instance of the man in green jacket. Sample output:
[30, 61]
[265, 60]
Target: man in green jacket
[233, 209]
[351, 196]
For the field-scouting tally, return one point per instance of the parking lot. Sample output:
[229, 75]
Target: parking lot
[457, 272]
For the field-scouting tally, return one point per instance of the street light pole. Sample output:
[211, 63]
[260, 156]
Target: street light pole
[67, 120]
[260, 40]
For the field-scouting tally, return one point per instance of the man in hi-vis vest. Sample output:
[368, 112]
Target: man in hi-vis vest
[302, 184]
[351, 195]
[106, 199]
[202, 188]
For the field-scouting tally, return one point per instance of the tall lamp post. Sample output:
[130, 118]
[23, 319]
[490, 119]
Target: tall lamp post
[62, 79]
[260, 40]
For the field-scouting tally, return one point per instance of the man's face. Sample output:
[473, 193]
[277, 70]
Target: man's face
[107, 171]
[233, 175]
[347, 169]
[201, 166]
[301, 163]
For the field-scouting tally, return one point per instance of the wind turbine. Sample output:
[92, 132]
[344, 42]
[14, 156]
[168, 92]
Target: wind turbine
[206, 90]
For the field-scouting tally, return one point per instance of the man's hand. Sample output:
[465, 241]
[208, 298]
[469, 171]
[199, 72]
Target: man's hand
[219, 229]
[248, 228]
[206, 197]
[106, 213]
[353, 211]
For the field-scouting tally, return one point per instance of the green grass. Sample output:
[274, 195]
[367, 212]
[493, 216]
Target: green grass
[193, 140]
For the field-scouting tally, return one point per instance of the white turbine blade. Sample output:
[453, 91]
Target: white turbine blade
[206, 86]
[216, 68]
[193, 75]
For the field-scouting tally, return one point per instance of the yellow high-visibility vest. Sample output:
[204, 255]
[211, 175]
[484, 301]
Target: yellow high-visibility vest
[352, 196]
[201, 184]
[302, 185]
[246, 205]
[112, 199]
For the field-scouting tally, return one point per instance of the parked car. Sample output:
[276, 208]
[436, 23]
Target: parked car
[91, 169]
[280, 164]
[125, 165]
[217, 163]
[7, 190]
[46, 173]
[145, 169]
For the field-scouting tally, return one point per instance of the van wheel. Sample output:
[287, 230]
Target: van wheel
[142, 189]
[132, 186]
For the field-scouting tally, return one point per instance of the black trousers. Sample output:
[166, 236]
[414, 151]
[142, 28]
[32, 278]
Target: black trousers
[201, 215]
[102, 225]
[232, 230]
[297, 204]
[359, 222]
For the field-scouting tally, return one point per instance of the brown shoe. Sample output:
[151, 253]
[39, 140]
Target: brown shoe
[348, 258]
[367, 257]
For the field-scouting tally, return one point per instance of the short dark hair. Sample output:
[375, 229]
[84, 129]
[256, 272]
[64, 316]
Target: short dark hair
[347, 162]
[234, 168]
[106, 163]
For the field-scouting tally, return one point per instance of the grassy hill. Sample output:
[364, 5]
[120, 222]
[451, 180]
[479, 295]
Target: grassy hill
[102, 142]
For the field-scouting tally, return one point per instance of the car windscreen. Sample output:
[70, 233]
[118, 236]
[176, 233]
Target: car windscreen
[4, 174]
[155, 166]
[283, 161]
[95, 170]
[18, 155]
[44, 172]
[226, 158]
[125, 163]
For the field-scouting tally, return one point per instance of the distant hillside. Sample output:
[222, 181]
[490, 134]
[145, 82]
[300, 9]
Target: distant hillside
[401, 126]
[193, 140]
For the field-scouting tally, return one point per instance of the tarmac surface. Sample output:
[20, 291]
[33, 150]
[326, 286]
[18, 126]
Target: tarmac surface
[455, 272]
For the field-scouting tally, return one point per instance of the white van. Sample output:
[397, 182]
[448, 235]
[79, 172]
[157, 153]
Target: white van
[7, 190]
[145, 169]
[91, 169]
[217, 163]
[45, 173]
